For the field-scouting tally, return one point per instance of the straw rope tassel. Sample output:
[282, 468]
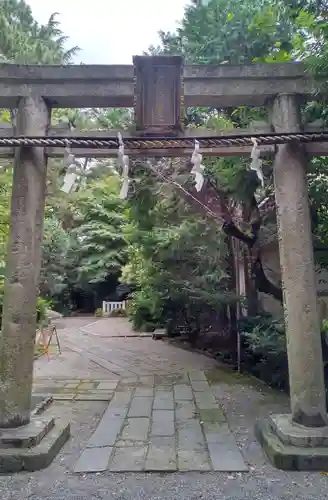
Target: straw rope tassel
[197, 169]
[256, 164]
[124, 162]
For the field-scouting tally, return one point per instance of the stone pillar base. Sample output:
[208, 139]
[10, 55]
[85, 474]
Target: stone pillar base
[32, 446]
[291, 446]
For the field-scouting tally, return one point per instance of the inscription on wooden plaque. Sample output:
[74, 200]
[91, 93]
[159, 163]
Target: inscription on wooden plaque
[158, 94]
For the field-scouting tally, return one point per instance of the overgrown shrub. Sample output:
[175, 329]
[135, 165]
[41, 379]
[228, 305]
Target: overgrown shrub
[264, 350]
[144, 311]
[41, 310]
[99, 312]
[118, 313]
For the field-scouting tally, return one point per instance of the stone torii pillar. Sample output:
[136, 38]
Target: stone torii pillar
[17, 338]
[300, 440]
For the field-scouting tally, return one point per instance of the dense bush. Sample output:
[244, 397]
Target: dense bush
[264, 350]
[118, 313]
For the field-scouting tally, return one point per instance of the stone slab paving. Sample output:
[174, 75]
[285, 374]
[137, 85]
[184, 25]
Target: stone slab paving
[162, 423]
[112, 328]
[66, 389]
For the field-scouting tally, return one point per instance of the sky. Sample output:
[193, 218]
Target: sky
[111, 31]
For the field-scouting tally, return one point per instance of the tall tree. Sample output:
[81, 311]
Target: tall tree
[221, 32]
[97, 222]
[24, 41]
[233, 32]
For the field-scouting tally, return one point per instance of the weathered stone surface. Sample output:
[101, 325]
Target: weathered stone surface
[198, 460]
[161, 455]
[183, 392]
[144, 392]
[197, 376]
[85, 386]
[28, 435]
[129, 459]
[190, 435]
[72, 385]
[94, 460]
[226, 457]
[289, 457]
[123, 443]
[136, 429]
[112, 86]
[140, 407]
[306, 377]
[107, 432]
[64, 397]
[93, 396]
[162, 423]
[206, 401]
[107, 386]
[215, 432]
[173, 435]
[121, 398]
[43, 403]
[185, 410]
[212, 415]
[38, 457]
[163, 400]
[158, 100]
[17, 340]
[200, 386]
[116, 411]
[146, 381]
[297, 435]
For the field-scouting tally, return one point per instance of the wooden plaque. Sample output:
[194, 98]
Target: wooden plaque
[158, 95]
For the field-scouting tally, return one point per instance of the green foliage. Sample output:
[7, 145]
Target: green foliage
[264, 335]
[83, 241]
[227, 31]
[55, 258]
[177, 262]
[98, 217]
[118, 313]
[99, 312]
[264, 349]
[41, 310]
[325, 326]
[24, 41]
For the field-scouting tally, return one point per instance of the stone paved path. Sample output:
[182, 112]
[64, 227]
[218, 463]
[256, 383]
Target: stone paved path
[99, 358]
[162, 414]
[162, 423]
[75, 389]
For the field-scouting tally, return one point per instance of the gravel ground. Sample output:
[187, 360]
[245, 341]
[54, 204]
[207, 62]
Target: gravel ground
[243, 400]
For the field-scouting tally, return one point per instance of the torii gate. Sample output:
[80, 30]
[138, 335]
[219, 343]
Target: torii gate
[159, 88]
